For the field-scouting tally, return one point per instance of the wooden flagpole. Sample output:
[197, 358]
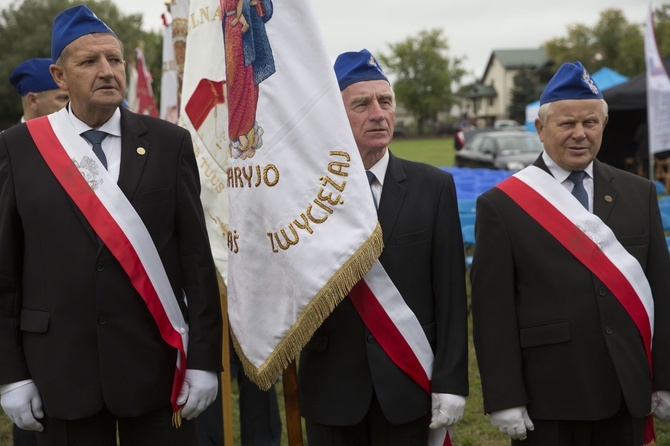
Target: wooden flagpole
[292, 405]
[226, 388]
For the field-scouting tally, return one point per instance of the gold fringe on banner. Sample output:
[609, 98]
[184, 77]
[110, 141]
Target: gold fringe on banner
[313, 315]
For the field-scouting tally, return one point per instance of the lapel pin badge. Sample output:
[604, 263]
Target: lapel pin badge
[608, 198]
[141, 151]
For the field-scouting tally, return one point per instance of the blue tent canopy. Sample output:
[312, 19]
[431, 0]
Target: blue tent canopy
[604, 78]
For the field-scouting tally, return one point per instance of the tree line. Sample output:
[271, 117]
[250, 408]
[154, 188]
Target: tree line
[427, 79]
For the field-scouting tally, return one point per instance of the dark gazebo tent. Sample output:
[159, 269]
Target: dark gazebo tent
[627, 109]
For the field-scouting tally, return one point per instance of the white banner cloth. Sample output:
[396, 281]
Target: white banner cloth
[303, 227]
[204, 114]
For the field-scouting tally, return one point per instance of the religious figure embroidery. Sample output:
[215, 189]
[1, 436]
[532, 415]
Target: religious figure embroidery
[249, 61]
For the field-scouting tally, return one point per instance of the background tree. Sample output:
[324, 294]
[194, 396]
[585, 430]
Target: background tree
[524, 92]
[424, 75]
[612, 42]
[25, 32]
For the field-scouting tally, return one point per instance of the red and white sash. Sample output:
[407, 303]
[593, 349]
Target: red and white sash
[592, 242]
[118, 225]
[397, 330]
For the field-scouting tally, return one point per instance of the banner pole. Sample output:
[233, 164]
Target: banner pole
[292, 405]
[226, 387]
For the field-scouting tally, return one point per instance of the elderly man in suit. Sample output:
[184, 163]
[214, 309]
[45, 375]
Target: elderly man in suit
[352, 390]
[109, 312]
[570, 287]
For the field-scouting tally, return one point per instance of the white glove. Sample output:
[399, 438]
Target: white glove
[197, 392]
[513, 422]
[660, 404]
[447, 410]
[22, 403]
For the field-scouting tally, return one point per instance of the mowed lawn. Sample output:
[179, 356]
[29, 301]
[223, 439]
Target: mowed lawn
[475, 428]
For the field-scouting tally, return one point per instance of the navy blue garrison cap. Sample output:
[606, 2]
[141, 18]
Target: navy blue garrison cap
[72, 24]
[571, 81]
[32, 76]
[355, 67]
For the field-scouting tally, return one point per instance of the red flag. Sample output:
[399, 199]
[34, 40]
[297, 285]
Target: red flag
[146, 104]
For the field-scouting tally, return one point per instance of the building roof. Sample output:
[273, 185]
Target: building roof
[481, 91]
[533, 58]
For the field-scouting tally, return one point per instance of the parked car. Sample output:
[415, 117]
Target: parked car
[507, 150]
[507, 124]
[461, 138]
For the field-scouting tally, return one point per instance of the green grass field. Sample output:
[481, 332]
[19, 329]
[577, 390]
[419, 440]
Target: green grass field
[475, 428]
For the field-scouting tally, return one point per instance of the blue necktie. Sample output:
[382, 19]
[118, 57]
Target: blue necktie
[371, 179]
[578, 190]
[95, 137]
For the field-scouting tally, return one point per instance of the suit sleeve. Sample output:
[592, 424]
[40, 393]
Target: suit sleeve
[495, 327]
[198, 270]
[12, 362]
[450, 371]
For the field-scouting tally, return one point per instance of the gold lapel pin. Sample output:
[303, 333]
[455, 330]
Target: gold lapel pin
[141, 151]
[608, 198]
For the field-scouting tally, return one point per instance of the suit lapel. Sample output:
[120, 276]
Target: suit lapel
[604, 193]
[134, 152]
[393, 195]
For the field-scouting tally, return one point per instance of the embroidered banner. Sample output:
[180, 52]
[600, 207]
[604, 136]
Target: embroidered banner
[203, 111]
[303, 229]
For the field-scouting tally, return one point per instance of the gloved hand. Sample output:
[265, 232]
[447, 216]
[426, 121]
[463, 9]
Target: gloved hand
[22, 403]
[660, 404]
[513, 422]
[447, 410]
[197, 392]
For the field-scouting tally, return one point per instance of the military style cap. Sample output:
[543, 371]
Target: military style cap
[571, 81]
[72, 24]
[352, 67]
[32, 76]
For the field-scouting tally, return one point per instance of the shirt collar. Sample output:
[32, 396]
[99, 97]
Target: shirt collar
[558, 172]
[379, 169]
[112, 126]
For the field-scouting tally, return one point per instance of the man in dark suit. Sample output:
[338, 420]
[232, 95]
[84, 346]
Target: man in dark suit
[109, 311]
[570, 281]
[351, 391]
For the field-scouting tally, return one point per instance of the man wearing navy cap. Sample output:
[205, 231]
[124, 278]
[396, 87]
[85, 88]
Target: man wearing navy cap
[571, 287]
[351, 390]
[109, 310]
[40, 95]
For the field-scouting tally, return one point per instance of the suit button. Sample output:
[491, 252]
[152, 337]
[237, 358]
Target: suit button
[609, 330]
[102, 320]
[371, 339]
[602, 291]
[99, 267]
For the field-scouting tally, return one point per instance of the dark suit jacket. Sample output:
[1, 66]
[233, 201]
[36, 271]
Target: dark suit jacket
[69, 316]
[548, 333]
[423, 255]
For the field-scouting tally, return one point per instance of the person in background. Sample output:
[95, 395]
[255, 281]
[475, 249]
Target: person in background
[40, 95]
[110, 320]
[570, 283]
[260, 423]
[351, 391]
